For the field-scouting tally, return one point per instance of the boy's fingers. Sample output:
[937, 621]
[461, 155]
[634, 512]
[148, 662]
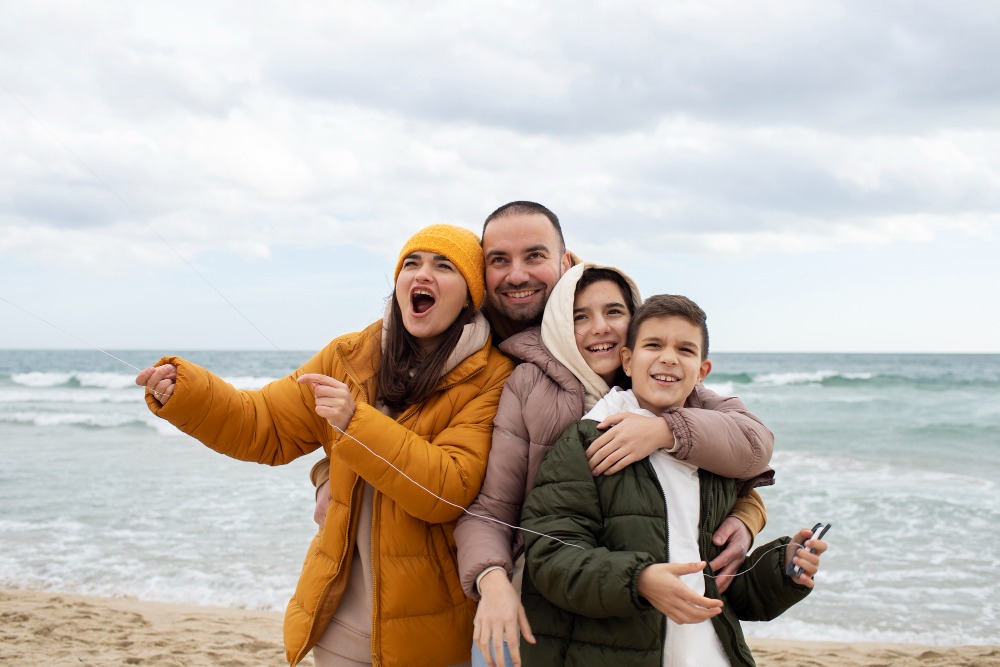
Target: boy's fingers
[686, 568]
[698, 601]
[819, 545]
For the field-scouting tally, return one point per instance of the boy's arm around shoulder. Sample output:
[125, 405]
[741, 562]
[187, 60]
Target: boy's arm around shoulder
[763, 591]
[585, 578]
[719, 434]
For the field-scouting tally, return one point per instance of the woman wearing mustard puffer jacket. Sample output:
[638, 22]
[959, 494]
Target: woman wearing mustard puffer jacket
[412, 396]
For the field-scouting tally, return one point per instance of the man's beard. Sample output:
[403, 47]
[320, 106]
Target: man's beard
[523, 313]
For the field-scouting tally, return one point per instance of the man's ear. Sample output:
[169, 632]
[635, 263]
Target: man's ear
[627, 361]
[706, 368]
[566, 262]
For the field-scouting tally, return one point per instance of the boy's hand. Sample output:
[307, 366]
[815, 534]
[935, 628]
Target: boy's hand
[736, 536]
[333, 399]
[500, 617]
[633, 438]
[660, 583]
[794, 553]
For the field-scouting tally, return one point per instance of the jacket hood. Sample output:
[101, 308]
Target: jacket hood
[558, 334]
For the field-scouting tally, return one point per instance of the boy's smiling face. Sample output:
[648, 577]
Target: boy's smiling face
[665, 365]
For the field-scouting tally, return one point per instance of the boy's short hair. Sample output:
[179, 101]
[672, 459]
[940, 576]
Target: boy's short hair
[669, 305]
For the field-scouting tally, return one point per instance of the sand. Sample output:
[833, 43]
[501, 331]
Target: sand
[56, 629]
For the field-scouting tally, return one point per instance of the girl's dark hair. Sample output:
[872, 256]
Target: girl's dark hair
[596, 275]
[406, 375]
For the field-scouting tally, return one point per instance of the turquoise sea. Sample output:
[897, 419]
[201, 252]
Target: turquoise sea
[901, 453]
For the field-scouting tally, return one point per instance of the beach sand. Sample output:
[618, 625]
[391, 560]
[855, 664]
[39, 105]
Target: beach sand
[56, 629]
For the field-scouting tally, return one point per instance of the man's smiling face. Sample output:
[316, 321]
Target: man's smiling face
[524, 260]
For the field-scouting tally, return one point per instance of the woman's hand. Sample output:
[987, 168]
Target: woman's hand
[661, 585]
[159, 381]
[500, 616]
[333, 399]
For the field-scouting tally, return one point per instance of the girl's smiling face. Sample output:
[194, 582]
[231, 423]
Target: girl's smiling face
[600, 324]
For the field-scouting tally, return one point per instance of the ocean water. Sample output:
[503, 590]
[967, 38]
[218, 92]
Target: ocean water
[898, 452]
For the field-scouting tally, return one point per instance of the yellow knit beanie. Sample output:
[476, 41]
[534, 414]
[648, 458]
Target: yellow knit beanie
[459, 245]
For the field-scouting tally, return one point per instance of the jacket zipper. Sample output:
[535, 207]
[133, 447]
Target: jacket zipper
[376, 656]
[350, 517]
[724, 618]
[666, 545]
[319, 602]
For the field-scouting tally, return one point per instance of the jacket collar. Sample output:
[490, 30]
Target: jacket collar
[361, 352]
[528, 347]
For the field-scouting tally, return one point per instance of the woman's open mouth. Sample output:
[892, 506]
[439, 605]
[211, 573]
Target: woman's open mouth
[421, 301]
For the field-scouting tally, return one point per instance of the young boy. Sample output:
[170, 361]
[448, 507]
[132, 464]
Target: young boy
[631, 587]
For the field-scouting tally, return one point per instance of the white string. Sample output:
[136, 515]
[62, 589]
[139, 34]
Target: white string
[370, 450]
[85, 342]
[131, 210]
[128, 207]
[445, 500]
[528, 530]
[759, 561]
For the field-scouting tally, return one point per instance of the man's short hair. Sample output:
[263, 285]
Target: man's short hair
[669, 305]
[527, 208]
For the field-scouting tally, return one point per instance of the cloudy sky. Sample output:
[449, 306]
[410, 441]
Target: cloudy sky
[819, 176]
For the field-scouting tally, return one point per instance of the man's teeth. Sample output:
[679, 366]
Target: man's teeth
[520, 295]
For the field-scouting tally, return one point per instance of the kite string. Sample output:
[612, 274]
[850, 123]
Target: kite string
[528, 530]
[130, 209]
[149, 227]
[455, 505]
[369, 449]
[54, 326]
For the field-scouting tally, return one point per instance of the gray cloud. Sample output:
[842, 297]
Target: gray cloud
[856, 67]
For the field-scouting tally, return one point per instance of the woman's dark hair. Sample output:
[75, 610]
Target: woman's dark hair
[406, 375]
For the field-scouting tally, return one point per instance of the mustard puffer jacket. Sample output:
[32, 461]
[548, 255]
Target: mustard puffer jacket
[421, 616]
